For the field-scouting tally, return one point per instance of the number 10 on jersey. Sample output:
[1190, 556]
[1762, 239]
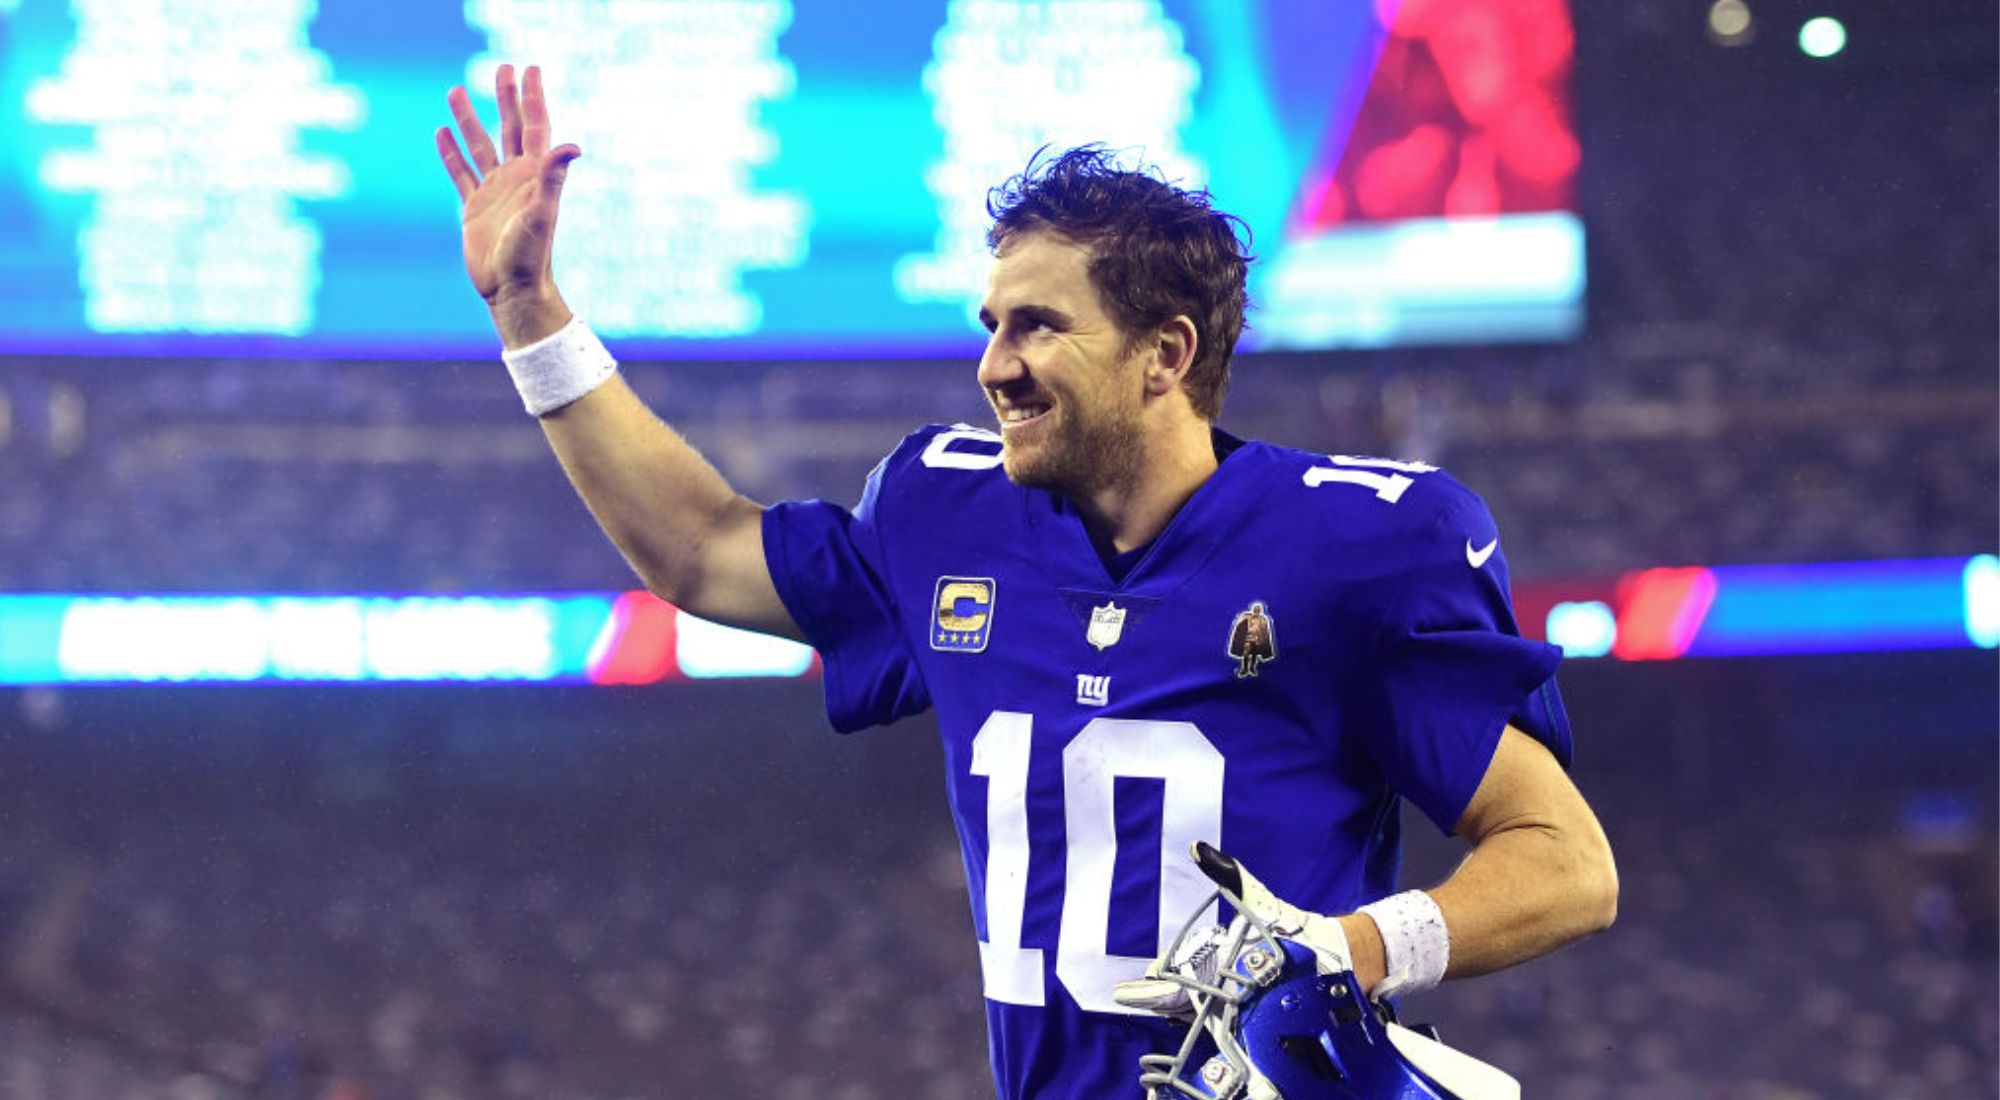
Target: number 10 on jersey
[1106, 750]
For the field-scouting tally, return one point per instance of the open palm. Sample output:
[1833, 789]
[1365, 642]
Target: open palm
[510, 194]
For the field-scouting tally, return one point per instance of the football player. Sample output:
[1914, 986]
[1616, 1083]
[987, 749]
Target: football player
[1138, 631]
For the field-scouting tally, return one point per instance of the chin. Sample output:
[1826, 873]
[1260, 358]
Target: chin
[1030, 471]
[1020, 470]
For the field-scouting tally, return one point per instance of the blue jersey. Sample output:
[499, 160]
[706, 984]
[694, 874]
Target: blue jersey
[1311, 639]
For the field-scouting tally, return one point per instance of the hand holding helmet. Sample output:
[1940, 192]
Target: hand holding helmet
[1275, 992]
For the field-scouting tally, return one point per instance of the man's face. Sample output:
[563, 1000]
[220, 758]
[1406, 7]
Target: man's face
[1056, 370]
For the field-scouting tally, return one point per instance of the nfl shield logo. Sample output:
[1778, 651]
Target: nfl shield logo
[1106, 623]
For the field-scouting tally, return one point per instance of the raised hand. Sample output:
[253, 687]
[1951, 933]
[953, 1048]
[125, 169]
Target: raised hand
[511, 195]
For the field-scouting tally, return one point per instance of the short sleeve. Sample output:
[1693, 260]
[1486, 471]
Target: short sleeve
[827, 565]
[1448, 670]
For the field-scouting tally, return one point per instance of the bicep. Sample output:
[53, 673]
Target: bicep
[736, 586]
[1524, 787]
[1540, 873]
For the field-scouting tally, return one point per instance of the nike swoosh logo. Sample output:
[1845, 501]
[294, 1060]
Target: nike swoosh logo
[1477, 558]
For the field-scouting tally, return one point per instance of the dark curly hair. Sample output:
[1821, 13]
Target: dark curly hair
[1156, 251]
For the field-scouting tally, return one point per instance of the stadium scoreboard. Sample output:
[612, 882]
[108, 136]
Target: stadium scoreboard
[761, 178]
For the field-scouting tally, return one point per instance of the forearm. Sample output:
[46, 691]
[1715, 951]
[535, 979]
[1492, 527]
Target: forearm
[665, 508]
[1540, 874]
[691, 538]
[1521, 894]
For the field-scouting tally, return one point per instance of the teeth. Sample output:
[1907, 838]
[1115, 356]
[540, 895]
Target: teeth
[1027, 413]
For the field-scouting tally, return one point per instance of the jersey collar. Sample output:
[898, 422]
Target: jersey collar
[1244, 474]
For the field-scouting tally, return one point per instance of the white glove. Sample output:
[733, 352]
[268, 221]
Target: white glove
[1203, 957]
[1199, 957]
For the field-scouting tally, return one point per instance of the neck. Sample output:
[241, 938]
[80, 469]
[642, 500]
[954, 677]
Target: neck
[1130, 511]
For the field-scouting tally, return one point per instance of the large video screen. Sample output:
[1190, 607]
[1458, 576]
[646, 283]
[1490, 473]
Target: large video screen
[763, 178]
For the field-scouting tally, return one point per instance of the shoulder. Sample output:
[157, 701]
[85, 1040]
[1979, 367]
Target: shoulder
[1399, 540]
[943, 451]
[941, 447]
[1372, 499]
[935, 465]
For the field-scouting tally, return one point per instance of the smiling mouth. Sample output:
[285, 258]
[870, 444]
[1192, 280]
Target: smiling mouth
[1021, 416]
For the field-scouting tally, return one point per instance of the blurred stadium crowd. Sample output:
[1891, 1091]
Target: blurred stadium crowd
[339, 895]
[427, 894]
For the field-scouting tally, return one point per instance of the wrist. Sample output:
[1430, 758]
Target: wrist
[560, 368]
[1364, 945]
[526, 315]
[1416, 944]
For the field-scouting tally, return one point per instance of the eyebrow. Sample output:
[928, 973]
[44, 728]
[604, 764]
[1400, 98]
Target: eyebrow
[1048, 315]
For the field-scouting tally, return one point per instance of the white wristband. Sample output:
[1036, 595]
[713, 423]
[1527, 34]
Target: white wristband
[1415, 941]
[560, 367]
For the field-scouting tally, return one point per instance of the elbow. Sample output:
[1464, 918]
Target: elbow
[672, 580]
[698, 566]
[1600, 902]
[1605, 905]
[1592, 874]
[671, 585]
[681, 587]
[1589, 891]
[664, 575]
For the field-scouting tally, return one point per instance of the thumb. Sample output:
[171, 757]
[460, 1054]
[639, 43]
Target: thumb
[1221, 869]
[1226, 872]
[555, 168]
[1323, 935]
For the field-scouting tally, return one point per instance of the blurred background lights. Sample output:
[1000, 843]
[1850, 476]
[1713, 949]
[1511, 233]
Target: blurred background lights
[1822, 37]
[1584, 628]
[1982, 600]
[706, 650]
[1729, 23]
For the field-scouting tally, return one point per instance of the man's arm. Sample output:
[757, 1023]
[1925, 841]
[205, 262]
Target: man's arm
[693, 539]
[1540, 873]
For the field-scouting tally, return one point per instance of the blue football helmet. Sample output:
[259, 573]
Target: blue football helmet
[1276, 994]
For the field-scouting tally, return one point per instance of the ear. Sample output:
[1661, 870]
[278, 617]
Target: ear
[1174, 346]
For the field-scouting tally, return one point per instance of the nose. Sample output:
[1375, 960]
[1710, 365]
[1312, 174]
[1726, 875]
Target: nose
[1000, 367]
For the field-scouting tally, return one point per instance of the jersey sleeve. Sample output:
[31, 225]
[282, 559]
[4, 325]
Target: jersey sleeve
[830, 569]
[1448, 669]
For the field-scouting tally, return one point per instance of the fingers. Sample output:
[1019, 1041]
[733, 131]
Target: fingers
[524, 131]
[462, 175]
[534, 113]
[476, 141]
[509, 97]
[1155, 995]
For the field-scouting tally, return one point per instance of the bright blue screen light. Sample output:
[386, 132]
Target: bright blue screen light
[1836, 607]
[760, 178]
